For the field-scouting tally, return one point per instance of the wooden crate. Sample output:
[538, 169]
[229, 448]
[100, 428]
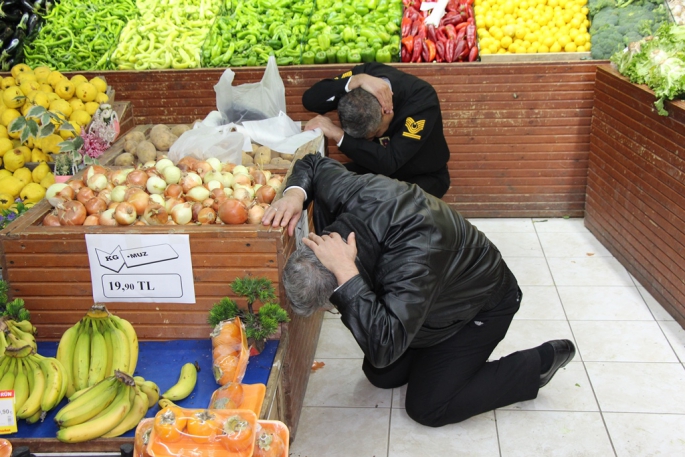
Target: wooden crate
[636, 186]
[518, 133]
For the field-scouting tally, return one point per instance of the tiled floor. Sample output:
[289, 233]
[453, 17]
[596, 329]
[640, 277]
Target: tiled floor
[623, 395]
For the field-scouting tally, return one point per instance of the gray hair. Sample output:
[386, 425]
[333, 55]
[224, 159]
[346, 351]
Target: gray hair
[360, 113]
[308, 284]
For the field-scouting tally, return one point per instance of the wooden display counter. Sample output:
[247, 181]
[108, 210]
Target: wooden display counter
[636, 186]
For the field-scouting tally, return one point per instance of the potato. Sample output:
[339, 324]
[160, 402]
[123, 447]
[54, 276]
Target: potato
[125, 159]
[146, 151]
[262, 155]
[286, 156]
[276, 161]
[247, 159]
[136, 137]
[254, 148]
[179, 129]
[130, 146]
[159, 128]
[163, 141]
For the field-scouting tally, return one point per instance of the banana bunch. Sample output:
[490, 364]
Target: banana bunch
[16, 334]
[39, 383]
[107, 409]
[96, 347]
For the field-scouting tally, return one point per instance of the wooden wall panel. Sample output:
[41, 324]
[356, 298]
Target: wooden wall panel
[519, 134]
[636, 182]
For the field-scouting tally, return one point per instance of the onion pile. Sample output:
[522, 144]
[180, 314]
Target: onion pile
[160, 193]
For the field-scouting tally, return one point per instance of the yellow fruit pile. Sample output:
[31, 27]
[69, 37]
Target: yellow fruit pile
[532, 26]
[28, 185]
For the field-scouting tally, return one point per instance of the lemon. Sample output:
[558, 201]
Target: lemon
[48, 181]
[86, 92]
[496, 33]
[580, 39]
[8, 116]
[37, 155]
[55, 77]
[23, 174]
[50, 142]
[92, 107]
[61, 106]
[5, 145]
[42, 74]
[25, 109]
[52, 96]
[27, 87]
[3, 133]
[26, 151]
[509, 30]
[6, 200]
[41, 99]
[19, 68]
[101, 98]
[7, 81]
[581, 49]
[39, 172]
[570, 47]
[65, 89]
[32, 193]
[505, 42]
[99, 84]
[4, 174]
[556, 47]
[13, 97]
[47, 88]
[76, 80]
[11, 186]
[80, 117]
[76, 104]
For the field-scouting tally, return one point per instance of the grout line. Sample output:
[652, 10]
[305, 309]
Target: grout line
[499, 442]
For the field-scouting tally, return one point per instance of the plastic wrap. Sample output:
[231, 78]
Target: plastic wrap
[239, 396]
[230, 352]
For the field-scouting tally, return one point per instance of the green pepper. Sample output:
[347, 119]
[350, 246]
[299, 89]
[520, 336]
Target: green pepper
[341, 56]
[330, 55]
[238, 62]
[368, 55]
[320, 57]
[276, 44]
[361, 10]
[336, 38]
[383, 56]
[354, 57]
[308, 58]
[324, 41]
[281, 61]
[349, 34]
[348, 10]
[391, 28]
[252, 61]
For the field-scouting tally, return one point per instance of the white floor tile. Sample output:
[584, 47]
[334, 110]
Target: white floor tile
[526, 334]
[604, 303]
[342, 432]
[622, 341]
[569, 390]
[540, 303]
[560, 225]
[658, 311]
[530, 271]
[341, 383]
[588, 271]
[337, 342]
[503, 225]
[552, 434]
[638, 387]
[676, 336]
[572, 245]
[333, 314]
[646, 435]
[475, 437]
[398, 396]
[514, 244]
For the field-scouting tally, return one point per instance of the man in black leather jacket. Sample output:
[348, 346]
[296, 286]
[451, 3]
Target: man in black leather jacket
[426, 295]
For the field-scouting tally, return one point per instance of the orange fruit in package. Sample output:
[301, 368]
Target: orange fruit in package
[229, 333]
[271, 440]
[5, 448]
[230, 353]
[239, 396]
[237, 431]
[143, 431]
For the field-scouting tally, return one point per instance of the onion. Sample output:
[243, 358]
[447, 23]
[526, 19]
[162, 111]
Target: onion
[203, 167]
[206, 216]
[155, 214]
[85, 194]
[173, 190]
[216, 193]
[189, 181]
[215, 163]
[93, 219]
[95, 205]
[162, 164]
[228, 191]
[171, 202]
[172, 174]
[118, 177]
[107, 218]
[53, 194]
[137, 178]
[68, 193]
[240, 169]
[139, 222]
[152, 172]
[212, 176]
[72, 212]
[226, 179]
[112, 205]
[149, 165]
[256, 188]
[182, 214]
[196, 207]
[238, 192]
[258, 177]
[188, 161]
[267, 174]
[240, 179]
[208, 202]
[275, 183]
[97, 182]
[139, 200]
[51, 220]
[211, 185]
[157, 198]
[228, 167]
[232, 212]
[265, 194]
[156, 185]
[125, 213]
[255, 215]
[118, 193]
[106, 195]
[218, 201]
[76, 184]
[94, 170]
[197, 194]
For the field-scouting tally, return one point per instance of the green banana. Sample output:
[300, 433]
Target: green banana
[126, 327]
[3, 342]
[21, 335]
[53, 382]
[4, 362]
[32, 405]
[65, 354]
[7, 381]
[21, 386]
[109, 418]
[88, 405]
[82, 357]
[98, 356]
[25, 326]
[138, 410]
[185, 384]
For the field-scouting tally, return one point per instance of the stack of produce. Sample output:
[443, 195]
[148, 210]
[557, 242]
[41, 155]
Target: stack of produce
[616, 24]
[361, 31]
[19, 21]
[167, 34]
[658, 62]
[453, 40]
[252, 31]
[531, 26]
[80, 36]
[161, 193]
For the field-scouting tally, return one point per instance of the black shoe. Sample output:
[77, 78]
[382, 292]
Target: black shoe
[564, 351]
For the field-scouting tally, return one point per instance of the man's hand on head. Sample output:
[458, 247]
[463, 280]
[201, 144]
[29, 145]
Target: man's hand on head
[335, 254]
[376, 87]
[329, 129]
[286, 211]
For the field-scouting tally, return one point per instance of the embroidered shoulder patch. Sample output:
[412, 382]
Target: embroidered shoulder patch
[344, 75]
[413, 128]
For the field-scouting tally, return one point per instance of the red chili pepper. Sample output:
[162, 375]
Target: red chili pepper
[449, 50]
[473, 54]
[440, 34]
[440, 51]
[406, 55]
[450, 31]
[411, 13]
[408, 43]
[421, 30]
[463, 25]
[418, 47]
[406, 26]
[430, 45]
[458, 50]
[471, 35]
[461, 34]
[452, 5]
[454, 20]
[430, 33]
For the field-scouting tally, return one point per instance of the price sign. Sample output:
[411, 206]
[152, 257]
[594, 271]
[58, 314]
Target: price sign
[8, 421]
[141, 268]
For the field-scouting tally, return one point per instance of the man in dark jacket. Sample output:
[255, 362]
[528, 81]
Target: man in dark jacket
[426, 295]
[398, 112]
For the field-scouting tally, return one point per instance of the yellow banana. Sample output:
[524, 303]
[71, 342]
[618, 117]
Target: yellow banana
[7, 381]
[82, 357]
[3, 343]
[25, 326]
[78, 393]
[138, 410]
[65, 353]
[88, 405]
[185, 384]
[151, 390]
[4, 363]
[98, 356]
[126, 327]
[109, 418]
[163, 403]
[53, 382]
[21, 386]
[121, 352]
[27, 337]
[65, 380]
[35, 418]
[32, 405]
[109, 371]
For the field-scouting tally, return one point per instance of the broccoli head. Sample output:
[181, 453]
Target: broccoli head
[595, 6]
[606, 42]
[608, 17]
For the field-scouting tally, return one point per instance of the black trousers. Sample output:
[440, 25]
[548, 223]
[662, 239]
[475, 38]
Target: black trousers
[434, 184]
[452, 381]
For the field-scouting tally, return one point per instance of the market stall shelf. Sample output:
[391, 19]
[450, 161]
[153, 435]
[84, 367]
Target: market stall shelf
[636, 186]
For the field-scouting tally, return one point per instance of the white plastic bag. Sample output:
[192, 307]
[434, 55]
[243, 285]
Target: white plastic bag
[279, 133]
[252, 101]
[203, 142]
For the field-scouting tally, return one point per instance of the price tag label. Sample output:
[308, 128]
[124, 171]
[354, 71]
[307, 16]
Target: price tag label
[8, 420]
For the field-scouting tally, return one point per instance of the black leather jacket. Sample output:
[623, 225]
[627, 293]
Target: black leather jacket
[425, 270]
